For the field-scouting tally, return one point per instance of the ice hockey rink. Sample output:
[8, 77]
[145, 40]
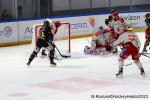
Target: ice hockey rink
[81, 77]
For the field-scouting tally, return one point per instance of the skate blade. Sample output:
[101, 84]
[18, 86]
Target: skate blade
[143, 75]
[27, 64]
[42, 56]
[119, 76]
[52, 65]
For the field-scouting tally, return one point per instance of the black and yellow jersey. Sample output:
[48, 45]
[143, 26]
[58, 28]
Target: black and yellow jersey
[45, 34]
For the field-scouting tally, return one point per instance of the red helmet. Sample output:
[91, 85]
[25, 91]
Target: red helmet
[114, 13]
[147, 15]
[57, 23]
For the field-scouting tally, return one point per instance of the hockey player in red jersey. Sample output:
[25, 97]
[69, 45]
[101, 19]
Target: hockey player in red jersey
[101, 42]
[54, 25]
[131, 45]
[147, 32]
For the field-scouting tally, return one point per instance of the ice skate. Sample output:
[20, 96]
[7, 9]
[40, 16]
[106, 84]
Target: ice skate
[43, 53]
[142, 72]
[120, 74]
[28, 63]
[52, 64]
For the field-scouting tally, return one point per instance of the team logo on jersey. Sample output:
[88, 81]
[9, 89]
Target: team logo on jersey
[7, 31]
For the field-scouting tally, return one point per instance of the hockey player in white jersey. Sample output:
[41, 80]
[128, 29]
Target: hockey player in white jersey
[100, 43]
[131, 45]
[118, 25]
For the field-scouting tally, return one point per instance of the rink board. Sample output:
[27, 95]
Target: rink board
[20, 32]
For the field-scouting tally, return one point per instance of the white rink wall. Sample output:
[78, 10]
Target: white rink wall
[20, 32]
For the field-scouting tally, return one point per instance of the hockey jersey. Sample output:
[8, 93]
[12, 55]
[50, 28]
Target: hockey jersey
[118, 25]
[128, 37]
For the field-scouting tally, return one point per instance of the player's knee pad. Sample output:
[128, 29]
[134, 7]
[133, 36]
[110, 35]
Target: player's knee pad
[51, 53]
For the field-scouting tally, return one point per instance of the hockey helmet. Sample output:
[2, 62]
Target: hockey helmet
[57, 23]
[106, 21]
[46, 23]
[114, 12]
[101, 29]
[110, 17]
[147, 15]
[147, 20]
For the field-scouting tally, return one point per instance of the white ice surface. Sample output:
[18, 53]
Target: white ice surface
[76, 78]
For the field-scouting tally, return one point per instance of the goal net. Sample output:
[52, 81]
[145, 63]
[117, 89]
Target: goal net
[61, 38]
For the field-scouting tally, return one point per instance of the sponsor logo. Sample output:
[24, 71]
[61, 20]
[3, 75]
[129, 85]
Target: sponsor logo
[6, 32]
[133, 20]
[28, 30]
[129, 17]
[79, 26]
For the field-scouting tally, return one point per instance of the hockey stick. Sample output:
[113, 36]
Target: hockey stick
[65, 56]
[145, 55]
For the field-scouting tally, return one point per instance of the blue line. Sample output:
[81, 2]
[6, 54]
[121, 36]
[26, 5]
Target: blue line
[72, 15]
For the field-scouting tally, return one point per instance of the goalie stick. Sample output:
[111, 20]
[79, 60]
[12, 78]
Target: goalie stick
[65, 56]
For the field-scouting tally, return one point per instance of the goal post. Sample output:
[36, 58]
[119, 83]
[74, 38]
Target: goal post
[61, 38]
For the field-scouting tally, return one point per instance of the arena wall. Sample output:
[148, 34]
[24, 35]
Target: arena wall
[20, 32]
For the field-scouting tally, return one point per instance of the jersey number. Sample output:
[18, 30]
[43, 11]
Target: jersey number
[41, 35]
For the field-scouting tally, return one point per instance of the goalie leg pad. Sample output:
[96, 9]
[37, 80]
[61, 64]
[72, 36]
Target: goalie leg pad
[88, 50]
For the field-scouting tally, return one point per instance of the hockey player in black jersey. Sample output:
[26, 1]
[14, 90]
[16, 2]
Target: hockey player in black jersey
[45, 39]
[54, 26]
